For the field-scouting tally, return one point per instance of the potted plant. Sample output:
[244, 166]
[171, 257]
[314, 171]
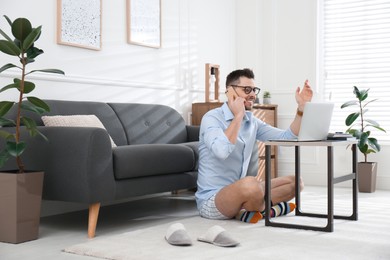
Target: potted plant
[267, 97]
[17, 197]
[359, 127]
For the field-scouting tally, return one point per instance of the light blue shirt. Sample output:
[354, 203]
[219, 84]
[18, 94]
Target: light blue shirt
[220, 162]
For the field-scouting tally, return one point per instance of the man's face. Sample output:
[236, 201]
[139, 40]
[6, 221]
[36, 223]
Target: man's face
[245, 88]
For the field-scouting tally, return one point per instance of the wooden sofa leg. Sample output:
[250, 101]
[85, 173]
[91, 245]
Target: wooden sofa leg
[93, 218]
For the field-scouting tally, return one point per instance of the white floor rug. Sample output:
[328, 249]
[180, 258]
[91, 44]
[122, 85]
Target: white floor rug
[367, 238]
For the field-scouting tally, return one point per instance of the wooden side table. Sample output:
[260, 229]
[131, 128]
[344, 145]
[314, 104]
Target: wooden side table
[330, 185]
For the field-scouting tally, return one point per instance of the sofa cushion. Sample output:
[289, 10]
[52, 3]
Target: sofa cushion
[194, 146]
[75, 120]
[153, 159]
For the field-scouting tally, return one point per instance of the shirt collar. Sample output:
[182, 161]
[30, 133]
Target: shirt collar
[229, 115]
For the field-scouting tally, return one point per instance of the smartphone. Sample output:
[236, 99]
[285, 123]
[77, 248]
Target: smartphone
[231, 94]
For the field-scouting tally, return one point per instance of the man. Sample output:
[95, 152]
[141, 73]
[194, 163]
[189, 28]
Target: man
[227, 137]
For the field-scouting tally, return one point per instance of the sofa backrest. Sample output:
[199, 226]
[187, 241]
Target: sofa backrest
[127, 123]
[150, 123]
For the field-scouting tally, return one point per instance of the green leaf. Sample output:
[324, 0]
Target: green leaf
[48, 71]
[5, 36]
[27, 88]
[373, 142]
[360, 94]
[372, 122]
[30, 125]
[362, 144]
[351, 118]
[5, 106]
[355, 133]
[32, 128]
[350, 103]
[363, 94]
[368, 102]
[7, 66]
[8, 20]
[31, 38]
[4, 157]
[379, 128]
[43, 136]
[40, 104]
[6, 135]
[6, 122]
[33, 52]
[32, 108]
[15, 149]
[9, 48]
[363, 148]
[21, 28]
[13, 85]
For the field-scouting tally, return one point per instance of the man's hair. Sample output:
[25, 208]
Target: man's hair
[235, 75]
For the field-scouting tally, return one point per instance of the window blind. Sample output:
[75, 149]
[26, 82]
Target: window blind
[355, 51]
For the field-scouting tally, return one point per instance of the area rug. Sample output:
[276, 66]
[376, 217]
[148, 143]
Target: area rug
[367, 238]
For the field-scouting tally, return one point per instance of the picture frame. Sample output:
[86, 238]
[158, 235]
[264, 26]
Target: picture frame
[144, 22]
[79, 23]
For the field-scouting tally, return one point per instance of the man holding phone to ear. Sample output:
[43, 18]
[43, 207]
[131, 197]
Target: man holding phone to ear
[227, 137]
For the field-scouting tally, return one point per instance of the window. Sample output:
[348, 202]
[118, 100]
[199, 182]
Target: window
[355, 51]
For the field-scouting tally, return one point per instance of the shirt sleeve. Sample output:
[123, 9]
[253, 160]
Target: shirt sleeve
[212, 132]
[266, 132]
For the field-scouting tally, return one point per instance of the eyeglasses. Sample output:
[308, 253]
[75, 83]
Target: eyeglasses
[248, 89]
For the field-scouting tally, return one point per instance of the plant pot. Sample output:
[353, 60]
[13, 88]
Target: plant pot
[367, 176]
[20, 206]
[266, 101]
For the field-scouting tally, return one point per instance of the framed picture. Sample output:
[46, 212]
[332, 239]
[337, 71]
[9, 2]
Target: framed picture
[144, 22]
[79, 23]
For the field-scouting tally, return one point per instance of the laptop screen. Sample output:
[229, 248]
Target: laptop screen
[316, 121]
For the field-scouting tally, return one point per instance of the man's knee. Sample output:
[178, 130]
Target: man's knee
[251, 188]
[292, 181]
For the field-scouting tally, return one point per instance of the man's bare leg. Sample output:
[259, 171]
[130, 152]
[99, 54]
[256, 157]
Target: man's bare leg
[248, 194]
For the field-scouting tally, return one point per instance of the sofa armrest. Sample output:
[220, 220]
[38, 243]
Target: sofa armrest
[192, 133]
[77, 162]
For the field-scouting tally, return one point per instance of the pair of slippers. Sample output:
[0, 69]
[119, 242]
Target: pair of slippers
[177, 235]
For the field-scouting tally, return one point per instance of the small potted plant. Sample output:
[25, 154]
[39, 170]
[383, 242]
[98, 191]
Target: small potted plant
[17, 182]
[266, 97]
[360, 127]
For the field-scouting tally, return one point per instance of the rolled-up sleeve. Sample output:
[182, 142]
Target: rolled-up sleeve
[215, 138]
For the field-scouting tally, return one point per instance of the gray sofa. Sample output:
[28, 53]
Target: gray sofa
[156, 152]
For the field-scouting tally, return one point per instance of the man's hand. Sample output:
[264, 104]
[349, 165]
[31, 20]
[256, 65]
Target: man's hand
[303, 96]
[236, 103]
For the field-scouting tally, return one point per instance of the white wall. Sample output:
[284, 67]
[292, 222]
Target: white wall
[172, 75]
[278, 39]
[275, 38]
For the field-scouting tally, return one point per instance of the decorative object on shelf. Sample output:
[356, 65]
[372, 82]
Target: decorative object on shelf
[20, 190]
[211, 79]
[144, 22]
[266, 98]
[79, 23]
[366, 143]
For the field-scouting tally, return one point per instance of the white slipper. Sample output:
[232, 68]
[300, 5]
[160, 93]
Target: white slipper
[218, 236]
[177, 235]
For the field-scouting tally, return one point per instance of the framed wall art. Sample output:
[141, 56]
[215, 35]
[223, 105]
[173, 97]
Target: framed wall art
[79, 23]
[144, 22]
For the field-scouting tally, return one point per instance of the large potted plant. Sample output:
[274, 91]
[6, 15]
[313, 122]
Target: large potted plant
[20, 189]
[360, 127]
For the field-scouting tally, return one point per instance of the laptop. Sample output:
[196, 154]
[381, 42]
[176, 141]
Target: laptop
[315, 123]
